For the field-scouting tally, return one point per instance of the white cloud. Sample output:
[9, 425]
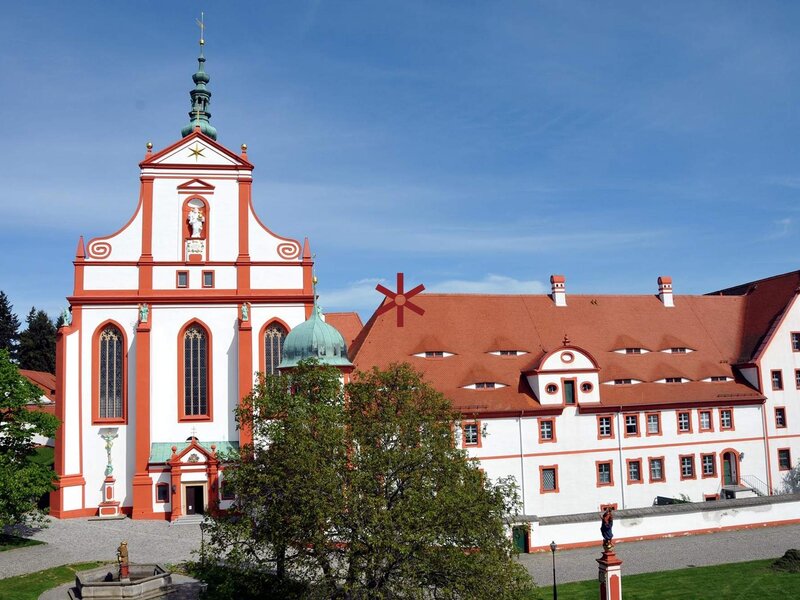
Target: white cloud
[359, 296]
[490, 284]
[781, 228]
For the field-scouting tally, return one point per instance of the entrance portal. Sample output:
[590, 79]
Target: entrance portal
[195, 500]
[730, 470]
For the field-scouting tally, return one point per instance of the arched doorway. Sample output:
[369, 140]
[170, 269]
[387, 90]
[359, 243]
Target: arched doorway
[730, 468]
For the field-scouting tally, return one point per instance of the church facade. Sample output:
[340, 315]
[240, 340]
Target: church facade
[170, 318]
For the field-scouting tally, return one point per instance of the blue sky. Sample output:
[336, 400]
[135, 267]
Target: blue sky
[476, 146]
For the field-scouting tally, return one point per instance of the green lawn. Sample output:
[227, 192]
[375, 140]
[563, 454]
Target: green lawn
[9, 542]
[736, 581]
[31, 586]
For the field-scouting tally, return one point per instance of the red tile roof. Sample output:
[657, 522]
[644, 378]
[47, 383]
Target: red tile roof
[765, 302]
[44, 381]
[349, 324]
[472, 326]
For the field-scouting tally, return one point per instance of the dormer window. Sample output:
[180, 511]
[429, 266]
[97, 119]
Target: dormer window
[673, 380]
[623, 381]
[678, 350]
[632, 350]
[485, 385]
[508, 352]
[719, 378]
[433, 354]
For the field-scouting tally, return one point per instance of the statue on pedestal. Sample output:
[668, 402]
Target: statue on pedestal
[196, 220]
[607, 522]
[122, 560]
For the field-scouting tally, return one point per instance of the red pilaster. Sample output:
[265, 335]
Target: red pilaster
[243, 259]
[245, 370]
[610, 576]
[146, 259]
[56, 496]
[213, 481]
[175, 485]
[142, 484]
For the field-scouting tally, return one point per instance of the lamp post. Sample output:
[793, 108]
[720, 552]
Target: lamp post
[553, 548]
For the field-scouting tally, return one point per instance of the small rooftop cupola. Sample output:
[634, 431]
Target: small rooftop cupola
[665, 291]
[201, 97]
[559, 289]
[317, 339]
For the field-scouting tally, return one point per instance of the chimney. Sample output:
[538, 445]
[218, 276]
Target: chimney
[559, 290]
[665, 291]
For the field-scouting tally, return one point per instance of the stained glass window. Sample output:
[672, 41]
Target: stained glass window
[195, 371]
[110, 384]
[273, 347]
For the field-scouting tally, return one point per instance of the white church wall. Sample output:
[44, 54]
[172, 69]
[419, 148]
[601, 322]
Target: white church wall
[72, 407]
[107, 277]
[276, 277]
[124, 245]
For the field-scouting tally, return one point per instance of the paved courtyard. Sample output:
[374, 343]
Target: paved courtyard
[76, 540]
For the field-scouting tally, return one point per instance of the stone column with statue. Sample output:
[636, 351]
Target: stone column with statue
[609, 565]
[109, 507]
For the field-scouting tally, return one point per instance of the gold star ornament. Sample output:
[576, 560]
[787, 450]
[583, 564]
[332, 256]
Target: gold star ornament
[197, 152]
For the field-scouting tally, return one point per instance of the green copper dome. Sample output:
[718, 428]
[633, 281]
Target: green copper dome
[201, 97]
[315, 339]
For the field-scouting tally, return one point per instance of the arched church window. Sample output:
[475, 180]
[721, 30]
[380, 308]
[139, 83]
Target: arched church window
[110, 384]
[195, 371]
[273, 347]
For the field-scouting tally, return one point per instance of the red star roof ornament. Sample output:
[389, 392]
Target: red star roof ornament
[400, 299]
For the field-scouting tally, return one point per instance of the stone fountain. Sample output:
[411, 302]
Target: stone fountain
[128, 581]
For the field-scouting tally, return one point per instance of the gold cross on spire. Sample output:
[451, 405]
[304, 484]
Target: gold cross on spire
[201, 23]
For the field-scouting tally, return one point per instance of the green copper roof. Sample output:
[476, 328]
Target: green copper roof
[160, 452]
[201, 97]
[315, 339]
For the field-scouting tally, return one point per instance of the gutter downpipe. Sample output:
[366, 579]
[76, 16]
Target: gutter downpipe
[621, 468]
[521, 463]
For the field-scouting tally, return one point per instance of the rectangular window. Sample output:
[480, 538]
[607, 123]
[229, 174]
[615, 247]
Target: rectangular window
[706, 424]
[687, 466]
[633, 350]
[795, 341]
[710, 497]
[604, 473]
[435, 354]
[182, 279]
[548, 477]
[547, 430]
[471, 434]
[684, 421]
[485, 385]
[653, 424]
[162, 493]
[634, 471]
[709, 462]
[673, 380]
[719, 378]
[604, 427]
[784, 459]
[569, 391]
[631, 425]
[797, 378]
[208, 279]
[780, 417]
[656, 469]
[777, 379]
[678, 350]
[726, 418]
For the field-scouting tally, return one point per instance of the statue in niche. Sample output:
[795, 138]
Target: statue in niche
[245, 312]
[196, 220]
[144, 313]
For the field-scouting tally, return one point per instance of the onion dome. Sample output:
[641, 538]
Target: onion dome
[317, 339]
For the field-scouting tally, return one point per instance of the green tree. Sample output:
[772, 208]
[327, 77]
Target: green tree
[37, 344]
[22, 480]
[9, 327]
[362, 493]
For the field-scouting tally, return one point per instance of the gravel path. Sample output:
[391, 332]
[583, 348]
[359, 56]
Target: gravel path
[667, 553]
[76, 540]
[79, 540]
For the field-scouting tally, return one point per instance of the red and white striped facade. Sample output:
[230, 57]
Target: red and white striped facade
[149, 284]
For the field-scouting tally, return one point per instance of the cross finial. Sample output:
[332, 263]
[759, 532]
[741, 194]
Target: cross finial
[201, 24]
[194, 432]
[565, 341]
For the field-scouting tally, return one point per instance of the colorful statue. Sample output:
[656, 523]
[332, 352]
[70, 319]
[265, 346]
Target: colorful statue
[605, 529]
[144, 312]
[122, 560]
[245, 312]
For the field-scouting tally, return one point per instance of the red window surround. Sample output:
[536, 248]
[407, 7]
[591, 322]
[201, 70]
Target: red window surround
[542, 470]
[684, 423]
[603, 469]
[471, 426]
[547, 426]
[605, 426]
[96, 420]
[182, 416]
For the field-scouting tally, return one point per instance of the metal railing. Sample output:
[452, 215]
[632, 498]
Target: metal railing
[756, 484]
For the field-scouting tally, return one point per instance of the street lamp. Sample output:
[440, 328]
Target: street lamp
[553, 548]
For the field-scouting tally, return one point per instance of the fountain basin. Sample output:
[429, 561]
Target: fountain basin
[146, 581]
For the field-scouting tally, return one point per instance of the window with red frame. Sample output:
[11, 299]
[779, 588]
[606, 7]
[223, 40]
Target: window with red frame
[780, 417]
[777, 379]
